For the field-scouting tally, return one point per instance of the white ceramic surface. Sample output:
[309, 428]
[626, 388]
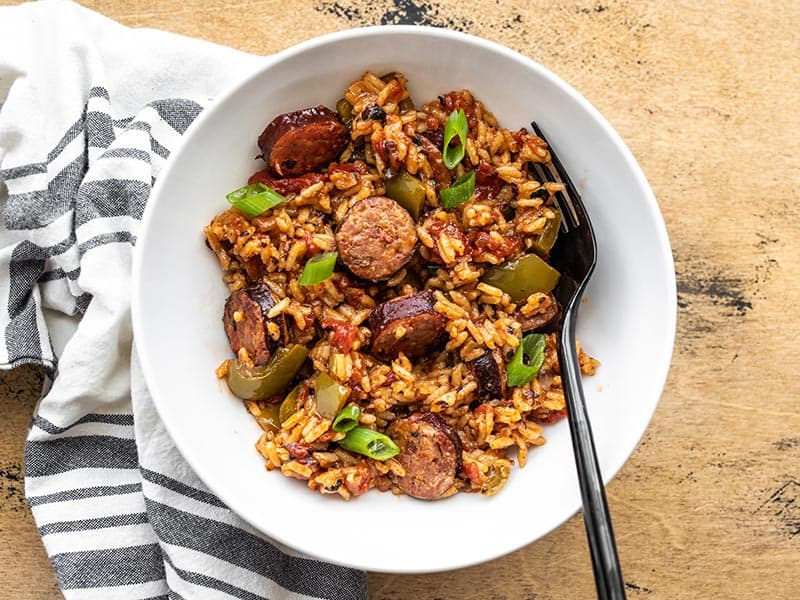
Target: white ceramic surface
[627, 319]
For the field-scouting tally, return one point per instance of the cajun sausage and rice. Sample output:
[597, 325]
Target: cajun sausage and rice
[391, 309]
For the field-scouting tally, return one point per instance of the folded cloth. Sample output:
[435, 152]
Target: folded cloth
[89, 112]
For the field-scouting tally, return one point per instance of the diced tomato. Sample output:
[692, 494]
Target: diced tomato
[472, 472]
[487, 183]
[390, 379]
[483, 408]
[353, 167]
[287, 185]
[548, 417]
[482, 241]
[297, 450]
[344, 334]
[357, 479]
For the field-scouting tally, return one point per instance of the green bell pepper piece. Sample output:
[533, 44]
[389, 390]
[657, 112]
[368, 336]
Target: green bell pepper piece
[330, 395]
[547, 238]
[264, 381]
[408, 192]
[523, 277]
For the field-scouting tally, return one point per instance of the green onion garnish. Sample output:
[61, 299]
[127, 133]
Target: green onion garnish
[531, 349]
[347, 419]
[456, 125]
[458, 193]
[255, 198]
[318, 268]
[369, 442]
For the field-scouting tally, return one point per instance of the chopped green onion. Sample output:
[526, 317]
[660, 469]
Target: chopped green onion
[255, 198]
[319, 268]
[369, 442]
[531, 349]
[456, 125]
[458, 193]
[347, 419]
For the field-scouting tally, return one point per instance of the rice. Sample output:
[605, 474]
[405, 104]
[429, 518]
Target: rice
[504, 219]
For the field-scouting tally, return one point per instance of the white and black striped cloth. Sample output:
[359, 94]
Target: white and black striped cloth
[89, 113]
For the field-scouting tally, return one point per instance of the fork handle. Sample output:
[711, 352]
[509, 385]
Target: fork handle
[605, 562]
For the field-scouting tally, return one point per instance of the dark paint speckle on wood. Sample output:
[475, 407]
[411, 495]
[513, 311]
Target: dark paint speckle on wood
[12, 488]
[783, 508]
[787, 443]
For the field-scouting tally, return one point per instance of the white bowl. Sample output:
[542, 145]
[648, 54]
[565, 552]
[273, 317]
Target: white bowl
[627, 319]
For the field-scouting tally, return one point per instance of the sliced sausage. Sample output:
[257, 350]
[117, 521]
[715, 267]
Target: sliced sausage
[376, 238]
[245, 320]
[287, 185]
[541, 320]
[302, 141]
[429, 452]
[408, 324]
[490, 374]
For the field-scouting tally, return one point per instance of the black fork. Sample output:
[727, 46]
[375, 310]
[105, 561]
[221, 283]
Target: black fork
[574, 255]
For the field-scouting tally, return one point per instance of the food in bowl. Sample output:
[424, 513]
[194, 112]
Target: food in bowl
[391, 306]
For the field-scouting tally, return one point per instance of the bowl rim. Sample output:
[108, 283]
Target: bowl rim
[668, 325]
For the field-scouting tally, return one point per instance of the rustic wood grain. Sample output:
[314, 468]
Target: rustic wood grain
[706, 96]
[26, 571]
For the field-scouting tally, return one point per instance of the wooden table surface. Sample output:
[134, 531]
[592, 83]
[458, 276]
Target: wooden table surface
[706, 96]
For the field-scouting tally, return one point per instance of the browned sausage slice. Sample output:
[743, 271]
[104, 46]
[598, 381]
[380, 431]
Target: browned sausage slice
[376, 238]
[429, 452]
[302, 141]
[245, 320]
[542, 319]
[490, 374]
[287, 185]
[422, 327]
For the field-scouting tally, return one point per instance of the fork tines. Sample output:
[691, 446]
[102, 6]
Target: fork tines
[555, 172]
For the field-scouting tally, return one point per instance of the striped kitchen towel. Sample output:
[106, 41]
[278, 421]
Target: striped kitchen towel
[89, 112]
